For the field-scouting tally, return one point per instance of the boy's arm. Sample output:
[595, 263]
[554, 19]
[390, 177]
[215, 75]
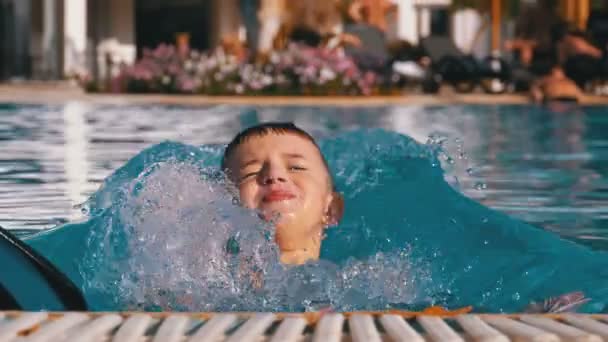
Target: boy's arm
[568, 302]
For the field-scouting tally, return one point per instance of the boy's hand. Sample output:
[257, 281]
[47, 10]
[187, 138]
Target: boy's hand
[568, 302]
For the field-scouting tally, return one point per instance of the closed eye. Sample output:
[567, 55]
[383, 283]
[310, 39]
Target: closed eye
[297, 168]
[249, 175]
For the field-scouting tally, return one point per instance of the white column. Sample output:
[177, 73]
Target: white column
[406, 21]
[74, 36]
[76, 164]
[465, 24]
[425, 22]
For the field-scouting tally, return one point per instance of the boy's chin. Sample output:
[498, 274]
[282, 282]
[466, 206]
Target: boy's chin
[277, 217]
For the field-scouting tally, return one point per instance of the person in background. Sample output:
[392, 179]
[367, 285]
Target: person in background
[364, 36]
[271, 16]
[555, 87]
[533, 31]
[249, 16]
[597, 29]
[597, 26]
[581, 60]
[377, 12]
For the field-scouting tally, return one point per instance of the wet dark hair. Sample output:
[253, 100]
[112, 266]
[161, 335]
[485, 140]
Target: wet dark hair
[279, 128]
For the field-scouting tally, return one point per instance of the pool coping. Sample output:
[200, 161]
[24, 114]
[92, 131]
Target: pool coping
[62, 92]
[283, 327]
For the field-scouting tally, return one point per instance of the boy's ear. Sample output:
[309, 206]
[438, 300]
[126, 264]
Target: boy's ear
[335, 209]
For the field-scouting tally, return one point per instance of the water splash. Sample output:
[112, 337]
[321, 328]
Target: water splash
[173, 239]
[165, 233]
[455, 162]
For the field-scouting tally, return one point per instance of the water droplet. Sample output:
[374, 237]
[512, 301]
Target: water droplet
[470, 171]
[516, 296]
[480, 186]
[462, 155]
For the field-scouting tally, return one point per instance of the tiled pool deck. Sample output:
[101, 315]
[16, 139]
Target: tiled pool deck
[363, 327]
[60, 92]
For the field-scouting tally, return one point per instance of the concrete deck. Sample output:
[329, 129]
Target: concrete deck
[61, 92]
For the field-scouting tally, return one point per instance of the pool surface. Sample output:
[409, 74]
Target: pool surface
[545, 166]
[490, 206]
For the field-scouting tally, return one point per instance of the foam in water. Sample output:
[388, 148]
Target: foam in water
[165, 233]
[177, 224]
[183, 244]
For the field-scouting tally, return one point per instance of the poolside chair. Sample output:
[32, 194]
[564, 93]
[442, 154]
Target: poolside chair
[28, 281]
[454, 66]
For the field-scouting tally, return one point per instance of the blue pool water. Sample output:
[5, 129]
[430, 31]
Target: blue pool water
[490, 206]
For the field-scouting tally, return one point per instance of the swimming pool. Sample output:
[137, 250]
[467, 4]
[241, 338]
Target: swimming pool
[542, 165]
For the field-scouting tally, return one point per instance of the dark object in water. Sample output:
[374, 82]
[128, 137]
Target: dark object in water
[28, 281]
[559, 99]
[568, 302]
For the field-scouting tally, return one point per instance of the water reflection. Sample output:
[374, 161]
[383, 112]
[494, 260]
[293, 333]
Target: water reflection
[545, 165]
[76, 163]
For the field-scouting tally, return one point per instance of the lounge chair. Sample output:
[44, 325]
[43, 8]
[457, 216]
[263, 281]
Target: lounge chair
[454, 66]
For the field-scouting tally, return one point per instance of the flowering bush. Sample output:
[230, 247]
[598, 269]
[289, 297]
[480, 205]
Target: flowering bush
[294, 71]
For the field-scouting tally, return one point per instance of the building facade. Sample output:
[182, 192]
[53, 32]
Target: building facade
[55, 39]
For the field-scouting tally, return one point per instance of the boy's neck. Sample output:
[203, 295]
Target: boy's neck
[306, 251]
[298, 257]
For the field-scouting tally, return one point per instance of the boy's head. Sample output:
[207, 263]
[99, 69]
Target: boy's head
[280, 171]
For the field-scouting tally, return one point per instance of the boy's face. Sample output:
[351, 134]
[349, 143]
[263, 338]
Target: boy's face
[283, 177]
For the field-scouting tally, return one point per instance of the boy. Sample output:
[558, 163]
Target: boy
[281, 172]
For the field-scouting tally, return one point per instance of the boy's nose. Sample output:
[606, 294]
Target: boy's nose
[273, 175]
[271, 180]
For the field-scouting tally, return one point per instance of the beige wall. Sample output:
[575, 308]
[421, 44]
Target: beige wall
[226, 20]
[118, 38]
[122, 21]
[114, 21]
